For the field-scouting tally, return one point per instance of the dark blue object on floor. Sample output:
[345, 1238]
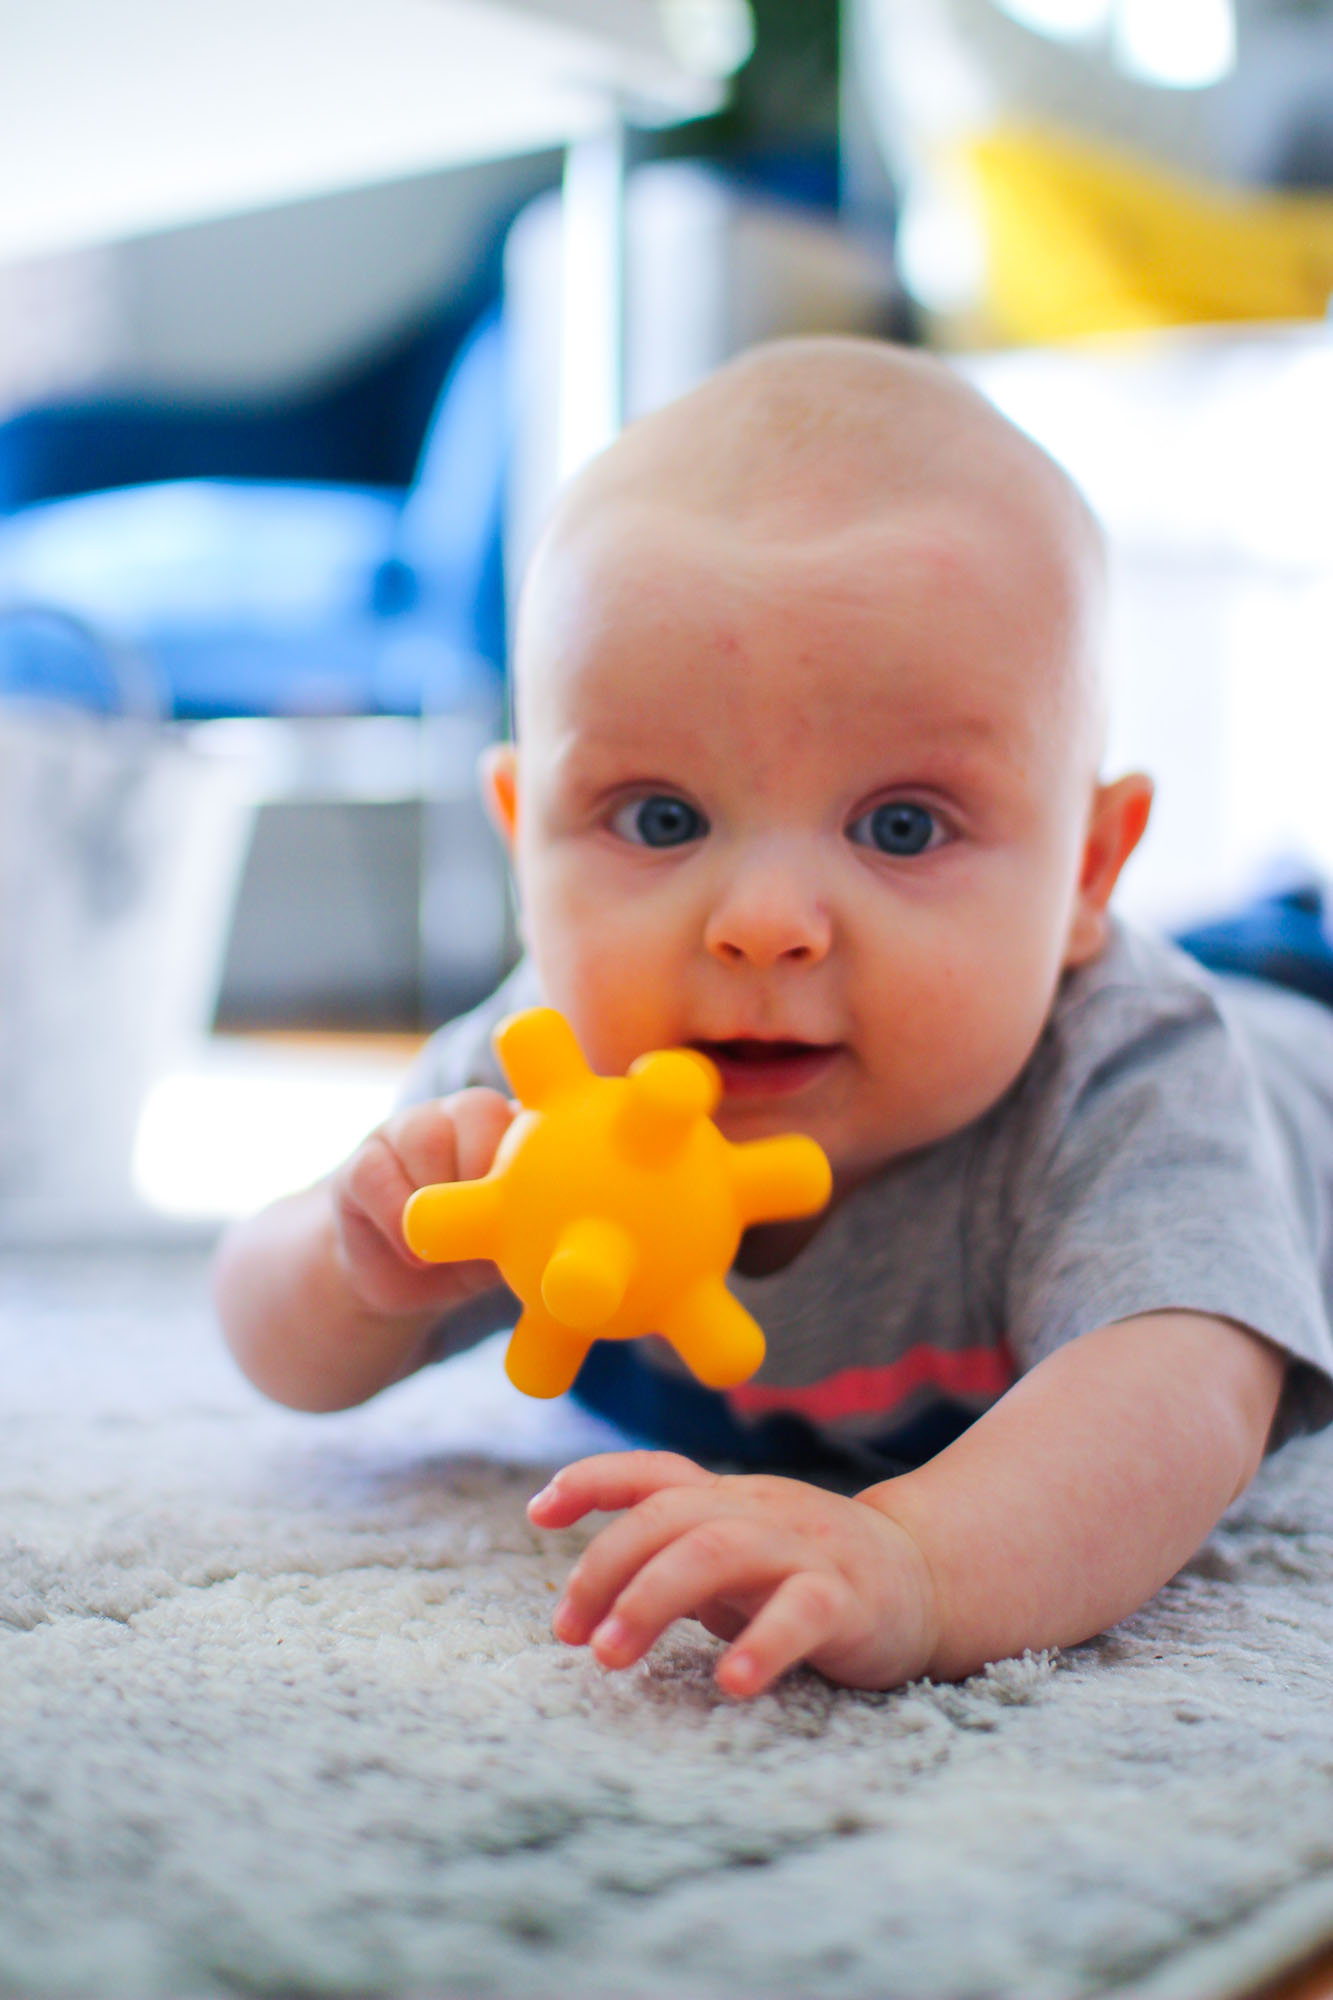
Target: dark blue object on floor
[1282, 937]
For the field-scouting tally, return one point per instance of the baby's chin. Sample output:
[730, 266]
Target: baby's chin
[858, 1144]
[743, 1119]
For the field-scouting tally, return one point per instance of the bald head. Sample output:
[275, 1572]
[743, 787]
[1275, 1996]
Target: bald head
[803, 442]
[826, 428]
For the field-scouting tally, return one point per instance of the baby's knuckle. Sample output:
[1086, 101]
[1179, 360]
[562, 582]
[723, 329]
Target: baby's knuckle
[768, 1489]
[363, 1173]
[821, 1597]
[474, 1098]
[667, 1464]
[717, 1541]
[479, 1119]
[428, 1142]
[658, 1510]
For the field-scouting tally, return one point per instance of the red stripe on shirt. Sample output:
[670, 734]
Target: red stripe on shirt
[967, 1371]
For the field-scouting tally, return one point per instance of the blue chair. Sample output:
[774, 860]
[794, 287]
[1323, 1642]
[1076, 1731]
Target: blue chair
[297, 597]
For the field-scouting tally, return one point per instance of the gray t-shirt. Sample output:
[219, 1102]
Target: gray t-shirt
[1169, 1144]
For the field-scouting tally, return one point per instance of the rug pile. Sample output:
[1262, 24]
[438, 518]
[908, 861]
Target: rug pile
[280, 1713]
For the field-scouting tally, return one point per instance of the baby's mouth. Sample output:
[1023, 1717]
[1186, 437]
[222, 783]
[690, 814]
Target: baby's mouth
[750, 1067]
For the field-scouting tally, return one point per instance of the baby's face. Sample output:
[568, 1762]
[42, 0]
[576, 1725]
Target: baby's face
[815, 806]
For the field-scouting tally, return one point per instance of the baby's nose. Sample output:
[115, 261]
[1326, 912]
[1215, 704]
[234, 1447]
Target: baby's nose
[767, 916]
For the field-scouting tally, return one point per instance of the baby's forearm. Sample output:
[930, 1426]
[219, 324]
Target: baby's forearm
[1087, 1486]
[321, 1299]
[292, 1319]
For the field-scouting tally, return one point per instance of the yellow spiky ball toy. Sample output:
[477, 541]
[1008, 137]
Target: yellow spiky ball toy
[615, 1208]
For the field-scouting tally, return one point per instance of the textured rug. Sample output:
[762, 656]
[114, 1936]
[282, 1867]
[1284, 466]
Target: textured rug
[280, 1714]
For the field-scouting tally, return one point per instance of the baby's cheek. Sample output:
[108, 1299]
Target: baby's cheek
[610, 982]
[944, 1033]
[987, 1030]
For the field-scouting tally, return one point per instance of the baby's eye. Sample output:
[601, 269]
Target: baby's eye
[659, 821]
[900, 828]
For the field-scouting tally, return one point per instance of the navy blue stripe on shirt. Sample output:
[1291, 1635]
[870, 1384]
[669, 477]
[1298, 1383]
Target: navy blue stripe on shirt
[676, 1413]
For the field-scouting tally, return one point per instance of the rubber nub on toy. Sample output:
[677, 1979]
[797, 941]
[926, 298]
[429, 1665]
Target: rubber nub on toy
[585, 1281]
[668, 1091]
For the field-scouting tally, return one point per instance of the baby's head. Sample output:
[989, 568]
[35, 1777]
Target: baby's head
[809, 722]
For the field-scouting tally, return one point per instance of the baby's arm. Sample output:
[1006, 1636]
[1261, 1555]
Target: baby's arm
[1061, 1510]
[321, 1301]
[1088, 1485]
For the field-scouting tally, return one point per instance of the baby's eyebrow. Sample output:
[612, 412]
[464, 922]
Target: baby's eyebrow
[969, 742]
[917, 710]
[602, 760]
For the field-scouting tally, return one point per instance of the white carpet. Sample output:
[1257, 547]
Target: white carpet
[280, 1714]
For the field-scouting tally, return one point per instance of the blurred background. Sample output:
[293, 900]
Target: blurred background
[308, 306]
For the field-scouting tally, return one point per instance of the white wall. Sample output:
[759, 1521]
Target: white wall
[1206, 454]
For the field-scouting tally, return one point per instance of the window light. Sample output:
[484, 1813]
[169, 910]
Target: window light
[1181, 44]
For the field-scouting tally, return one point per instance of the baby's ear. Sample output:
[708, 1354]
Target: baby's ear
[497, 772]
[1115, 828]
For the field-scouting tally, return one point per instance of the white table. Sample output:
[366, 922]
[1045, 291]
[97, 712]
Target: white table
[122, 116]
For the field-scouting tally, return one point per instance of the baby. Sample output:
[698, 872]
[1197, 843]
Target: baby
[806, 776]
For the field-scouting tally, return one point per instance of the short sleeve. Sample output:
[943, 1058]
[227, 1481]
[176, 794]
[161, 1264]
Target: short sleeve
[1149, 1174]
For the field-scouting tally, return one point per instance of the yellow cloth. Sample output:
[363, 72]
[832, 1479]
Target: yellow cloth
[1081, 238]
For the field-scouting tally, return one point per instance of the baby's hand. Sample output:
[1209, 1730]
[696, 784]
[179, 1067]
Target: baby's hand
[784, 1571]
[449, 1139]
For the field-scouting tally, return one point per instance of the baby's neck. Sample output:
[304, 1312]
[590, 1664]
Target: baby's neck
[770, 1246]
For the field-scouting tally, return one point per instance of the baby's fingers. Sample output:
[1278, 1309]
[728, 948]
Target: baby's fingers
[734, 1556]
[480, 1120]
[609, 1482]
[445, 1140]
[449, 1139]
[805, 1612]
